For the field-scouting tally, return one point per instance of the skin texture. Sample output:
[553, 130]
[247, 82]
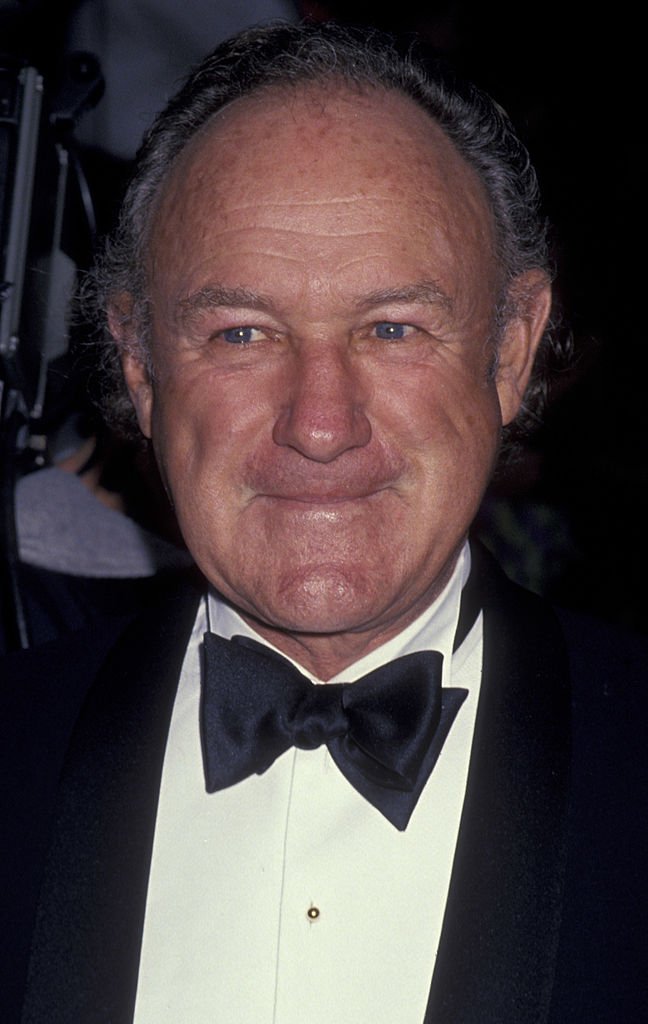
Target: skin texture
[323, 289]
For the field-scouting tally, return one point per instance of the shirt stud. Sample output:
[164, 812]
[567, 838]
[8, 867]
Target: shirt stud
[312, 913]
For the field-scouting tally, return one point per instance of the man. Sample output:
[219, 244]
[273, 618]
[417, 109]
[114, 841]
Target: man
[327, 296]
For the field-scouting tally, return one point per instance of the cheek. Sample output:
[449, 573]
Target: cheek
[448, 414]
[204, 428]
[182, 424]
[454, 440]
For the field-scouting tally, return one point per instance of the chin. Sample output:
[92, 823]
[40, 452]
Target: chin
[320, 602]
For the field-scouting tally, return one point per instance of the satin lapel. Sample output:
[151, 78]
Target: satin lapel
[86, 949]
[498, 947]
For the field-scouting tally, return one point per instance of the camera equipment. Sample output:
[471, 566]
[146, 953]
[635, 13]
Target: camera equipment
[44, 201]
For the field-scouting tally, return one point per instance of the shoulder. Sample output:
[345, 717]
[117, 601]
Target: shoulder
[43, 688]
[603, 941]
[608, 682]
[605, 660]
[599, 649]
[43, 692]
[609, 698]
[604, 945]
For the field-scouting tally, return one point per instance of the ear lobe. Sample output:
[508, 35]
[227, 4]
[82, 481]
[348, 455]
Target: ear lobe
[123, 328]
[530, 306]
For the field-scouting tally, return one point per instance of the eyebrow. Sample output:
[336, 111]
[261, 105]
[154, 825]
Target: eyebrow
[214, 296]
[422, 291]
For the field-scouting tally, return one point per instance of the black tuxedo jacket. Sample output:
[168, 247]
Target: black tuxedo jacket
[545, 921]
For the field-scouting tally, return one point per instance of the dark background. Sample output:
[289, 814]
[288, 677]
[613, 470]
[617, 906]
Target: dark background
[568, 518]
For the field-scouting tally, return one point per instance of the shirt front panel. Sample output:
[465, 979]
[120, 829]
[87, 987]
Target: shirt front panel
[288, 897]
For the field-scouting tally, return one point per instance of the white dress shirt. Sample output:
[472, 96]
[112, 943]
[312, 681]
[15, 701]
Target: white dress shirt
[288, 898]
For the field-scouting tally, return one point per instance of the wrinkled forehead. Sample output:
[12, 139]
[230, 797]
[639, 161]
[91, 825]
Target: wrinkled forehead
[324, 179]
[301, 140]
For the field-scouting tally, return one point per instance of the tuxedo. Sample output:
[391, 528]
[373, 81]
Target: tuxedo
[545, 917]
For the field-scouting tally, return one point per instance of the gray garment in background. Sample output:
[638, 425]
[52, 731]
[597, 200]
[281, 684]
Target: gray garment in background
[62, 527]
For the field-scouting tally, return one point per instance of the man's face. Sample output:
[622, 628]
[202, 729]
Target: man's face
[323, 291]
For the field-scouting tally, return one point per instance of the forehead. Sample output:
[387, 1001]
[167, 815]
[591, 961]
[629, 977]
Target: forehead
[325, 167]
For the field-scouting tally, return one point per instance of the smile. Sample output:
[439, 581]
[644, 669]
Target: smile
[321, 499]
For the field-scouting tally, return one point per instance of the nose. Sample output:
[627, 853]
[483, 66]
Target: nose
[324, 415]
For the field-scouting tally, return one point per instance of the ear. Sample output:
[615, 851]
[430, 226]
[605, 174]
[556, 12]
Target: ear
[530, 306]
[123, 326]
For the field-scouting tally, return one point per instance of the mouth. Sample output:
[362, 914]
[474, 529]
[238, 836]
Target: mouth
[317, 497]
[320, 508]
[352, 481]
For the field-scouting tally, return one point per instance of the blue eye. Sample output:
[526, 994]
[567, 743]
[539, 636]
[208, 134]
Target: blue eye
[238, 335]
[388, 331]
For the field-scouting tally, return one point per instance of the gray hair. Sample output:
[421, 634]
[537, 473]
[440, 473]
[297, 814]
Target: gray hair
[291, 55]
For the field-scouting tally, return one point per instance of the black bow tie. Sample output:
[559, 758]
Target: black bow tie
[384, 732]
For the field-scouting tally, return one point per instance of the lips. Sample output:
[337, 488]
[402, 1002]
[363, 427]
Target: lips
[327, 497]
[351, 478]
